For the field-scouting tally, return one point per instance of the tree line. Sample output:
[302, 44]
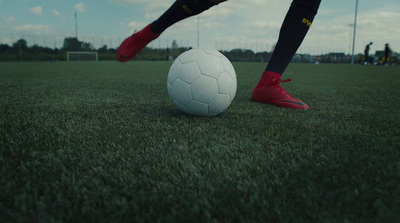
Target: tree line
[20, 51]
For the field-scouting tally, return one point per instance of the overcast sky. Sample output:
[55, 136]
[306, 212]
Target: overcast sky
[252, 24]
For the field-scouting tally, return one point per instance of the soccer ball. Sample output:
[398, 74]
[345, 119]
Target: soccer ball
[202, 82]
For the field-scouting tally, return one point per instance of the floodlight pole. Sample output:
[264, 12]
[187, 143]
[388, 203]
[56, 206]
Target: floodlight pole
[354, 33]
[76, 25]
[198, 31]
[76, 34]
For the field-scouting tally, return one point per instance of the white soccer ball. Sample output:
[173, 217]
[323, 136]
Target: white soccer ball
[202, 82]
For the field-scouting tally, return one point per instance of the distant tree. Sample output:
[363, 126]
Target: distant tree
[20, 46]
[87, 47]
[36, 48]
[20, 49]
[174, 51]
[103, 49]
[73, 44]
[4, 48]
[21, 43]
[174, 45]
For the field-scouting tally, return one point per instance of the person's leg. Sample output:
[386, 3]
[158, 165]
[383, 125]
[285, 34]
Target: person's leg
[366, 59]
[294, 29]
[178, 11]
[386, 57]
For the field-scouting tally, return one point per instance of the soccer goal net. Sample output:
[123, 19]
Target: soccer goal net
[82, 56]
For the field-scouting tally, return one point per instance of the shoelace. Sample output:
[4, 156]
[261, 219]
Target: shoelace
[138, 38]
[134, 32]
[277, 81]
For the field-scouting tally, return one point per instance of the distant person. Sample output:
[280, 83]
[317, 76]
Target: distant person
[268, 90]
[366, 54]
[387, 54]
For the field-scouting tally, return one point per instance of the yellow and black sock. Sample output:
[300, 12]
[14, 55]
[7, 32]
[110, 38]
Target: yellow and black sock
[294, 28]
[180, 10]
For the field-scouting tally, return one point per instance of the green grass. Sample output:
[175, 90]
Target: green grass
[102, 142]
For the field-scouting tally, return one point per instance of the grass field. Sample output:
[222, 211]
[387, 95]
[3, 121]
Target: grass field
[102, 142]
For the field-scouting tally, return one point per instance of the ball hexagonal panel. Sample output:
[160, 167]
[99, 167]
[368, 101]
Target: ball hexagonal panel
[204, 89]
[212, 52]
[189, 72]
[180, 92]
[226, 84]
[228, 67]
[219, 104]
[211, 65]
[173, 73]
[197, 108]
[191, 55]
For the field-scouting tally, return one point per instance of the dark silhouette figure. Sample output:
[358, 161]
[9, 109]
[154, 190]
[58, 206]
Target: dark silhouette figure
[366, 54]
[387, 53]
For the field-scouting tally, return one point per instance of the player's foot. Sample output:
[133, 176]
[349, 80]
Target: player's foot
[269, 91]
[132, 45]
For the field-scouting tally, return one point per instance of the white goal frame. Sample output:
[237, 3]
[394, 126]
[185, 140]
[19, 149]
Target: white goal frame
[83, 52]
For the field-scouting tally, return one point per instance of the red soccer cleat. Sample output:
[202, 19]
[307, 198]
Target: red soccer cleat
[269, 91]
[132, 45]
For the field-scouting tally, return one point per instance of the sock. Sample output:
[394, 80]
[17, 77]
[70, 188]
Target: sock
[180, 10]
[294, 28]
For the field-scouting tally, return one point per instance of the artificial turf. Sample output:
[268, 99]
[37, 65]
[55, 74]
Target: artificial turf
[103, 142]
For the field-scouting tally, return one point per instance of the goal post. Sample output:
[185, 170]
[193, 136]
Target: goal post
[82, 56]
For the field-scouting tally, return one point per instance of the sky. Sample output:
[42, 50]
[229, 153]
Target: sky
[249, 24]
